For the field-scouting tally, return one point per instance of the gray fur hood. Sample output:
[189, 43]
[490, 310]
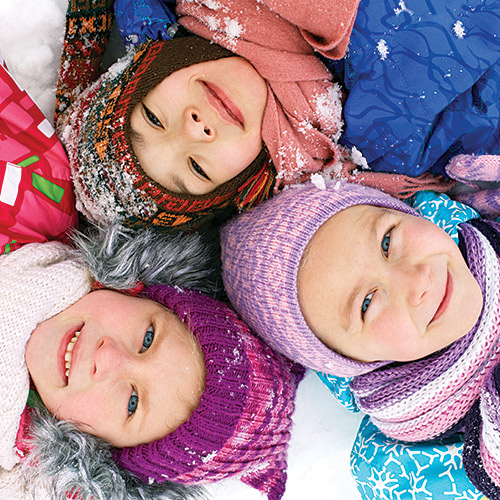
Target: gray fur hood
[68, 460]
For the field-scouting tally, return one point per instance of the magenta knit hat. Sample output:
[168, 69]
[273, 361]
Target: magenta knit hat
[242, 424]
[261, 254]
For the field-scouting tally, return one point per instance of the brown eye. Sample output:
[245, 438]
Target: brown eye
[152, 118]
[198, 169]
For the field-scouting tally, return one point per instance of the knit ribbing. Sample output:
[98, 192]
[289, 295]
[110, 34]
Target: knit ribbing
[261, 254]
[38, 281]
[242, 424]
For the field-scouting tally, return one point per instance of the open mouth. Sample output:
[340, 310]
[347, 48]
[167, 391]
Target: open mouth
[226, 109]
[67, 354]
[445, 299]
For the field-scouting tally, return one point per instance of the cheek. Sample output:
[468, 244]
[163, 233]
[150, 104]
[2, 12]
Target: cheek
[236, 157]
[394, 337]
[91, 408]
[41, 344]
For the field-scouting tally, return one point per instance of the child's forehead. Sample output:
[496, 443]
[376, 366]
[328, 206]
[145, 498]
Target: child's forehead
[355, 219]
[106, 303]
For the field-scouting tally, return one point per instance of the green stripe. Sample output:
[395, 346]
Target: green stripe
[34, 400]
[29, 161]
[49, 189]
[7, 247]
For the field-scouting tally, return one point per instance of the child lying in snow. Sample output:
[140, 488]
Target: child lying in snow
[142, 156]
[417, 94]
[219, 407]
[395, 304]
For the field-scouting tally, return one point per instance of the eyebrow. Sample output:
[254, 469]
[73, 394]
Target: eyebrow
[144, 402]
[137, 136]
[180, 184]
[372, 221]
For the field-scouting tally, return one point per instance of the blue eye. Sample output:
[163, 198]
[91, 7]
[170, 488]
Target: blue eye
[366, 304]
[198, 169]
[148, 339]
[152, 118]
[133, 402]
[386, 242]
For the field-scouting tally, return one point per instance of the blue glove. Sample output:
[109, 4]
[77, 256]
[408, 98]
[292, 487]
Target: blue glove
[142, 20]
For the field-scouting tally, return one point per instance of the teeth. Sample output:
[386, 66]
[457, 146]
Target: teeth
[69, 354]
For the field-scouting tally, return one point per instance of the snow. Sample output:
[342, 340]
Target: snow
[328, 109]
[382, 49]
[30, 41]
[233, 28]
[459, 30]
[358, 158]
[319, 181]
[31, 34]
[402, 8]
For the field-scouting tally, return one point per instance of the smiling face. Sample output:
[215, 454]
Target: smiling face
[377, 284]
[201, 126]
[131, 375]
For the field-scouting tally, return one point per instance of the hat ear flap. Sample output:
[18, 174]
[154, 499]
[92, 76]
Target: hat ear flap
[271, 480]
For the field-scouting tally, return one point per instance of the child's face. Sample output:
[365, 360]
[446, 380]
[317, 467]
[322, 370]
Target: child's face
[135, 372]
[377, 284]
[201, 126]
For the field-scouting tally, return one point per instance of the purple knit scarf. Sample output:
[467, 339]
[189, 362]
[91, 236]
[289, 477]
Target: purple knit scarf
[424, 399]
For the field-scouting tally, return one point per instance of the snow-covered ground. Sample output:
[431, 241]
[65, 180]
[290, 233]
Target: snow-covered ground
[30, 41]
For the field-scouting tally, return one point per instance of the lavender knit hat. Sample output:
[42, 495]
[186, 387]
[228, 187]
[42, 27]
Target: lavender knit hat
[242, 424]
[261, 254]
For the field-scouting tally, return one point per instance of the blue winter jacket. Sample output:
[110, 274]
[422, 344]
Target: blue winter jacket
[423, 82]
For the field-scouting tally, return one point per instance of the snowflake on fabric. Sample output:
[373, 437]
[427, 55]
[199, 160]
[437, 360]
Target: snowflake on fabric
[392, 470]
[382, 49]
[383, 483]
[339, 386]
[442, 211]
[459, 30]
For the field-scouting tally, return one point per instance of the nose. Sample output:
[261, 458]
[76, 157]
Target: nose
[196, 127]
[416, 281]
[111, 359]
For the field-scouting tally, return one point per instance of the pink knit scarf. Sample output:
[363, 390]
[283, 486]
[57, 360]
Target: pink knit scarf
[302, 121]
[303, 118]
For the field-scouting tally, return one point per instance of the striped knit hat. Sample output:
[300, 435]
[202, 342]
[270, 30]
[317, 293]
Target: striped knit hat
[242, 424]
[109, 181]
[261, 254]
